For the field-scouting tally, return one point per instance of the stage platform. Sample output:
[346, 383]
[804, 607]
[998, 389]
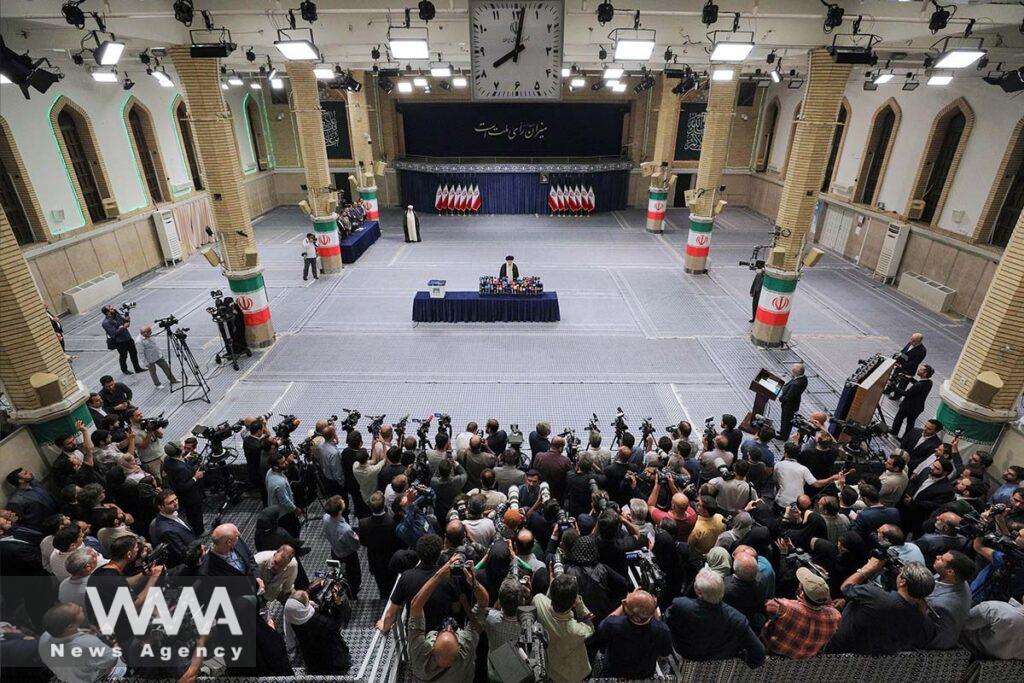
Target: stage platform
[353, 246]
[472, 307]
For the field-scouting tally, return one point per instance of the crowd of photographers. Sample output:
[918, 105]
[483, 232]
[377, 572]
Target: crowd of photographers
[707, 543]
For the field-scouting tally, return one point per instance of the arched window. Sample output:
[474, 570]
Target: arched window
[189, 145]
[81, 164]
[147, 152]
[837, 145]
[1006, 198]
[256, 136]
[876, 153]
[16, 196]
[941, 157]
[792, 138]
[764, 150]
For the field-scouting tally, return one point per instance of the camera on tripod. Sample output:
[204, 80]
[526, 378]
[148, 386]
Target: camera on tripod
[620, 422]
[151, 424]
[515, 436]
[592, 426]
[352, 418]
[756, 262]
[222, 310]
[572, 443]
[330, 592]
[376, 422]
[218, 433]
[399, 429]
[444, 424]
[759, 422]
[283, 429]
[648, 574]
[167, 322]
[804, 426]
[646, 428]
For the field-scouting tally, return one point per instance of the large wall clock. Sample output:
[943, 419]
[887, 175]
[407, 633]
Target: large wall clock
[516, 49]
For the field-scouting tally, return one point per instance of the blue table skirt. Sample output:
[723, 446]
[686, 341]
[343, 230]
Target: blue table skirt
[353, 246]
[471, 307]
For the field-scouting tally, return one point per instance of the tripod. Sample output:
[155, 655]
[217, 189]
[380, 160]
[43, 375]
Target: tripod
[228, 352]
[191, 374]
[214, 460]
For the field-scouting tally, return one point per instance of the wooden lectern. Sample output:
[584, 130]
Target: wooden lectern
[766, 387]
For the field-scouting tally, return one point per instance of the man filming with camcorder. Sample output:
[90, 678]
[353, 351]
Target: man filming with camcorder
[119, 338]
[148, 432]
[907, 360]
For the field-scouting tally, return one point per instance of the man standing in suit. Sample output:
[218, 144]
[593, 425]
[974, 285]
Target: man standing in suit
[509, 269]
[909, 357]
[789, 399]
[920, 443]
[377, 535]
[914, 399]
[926, 493]
[187, 483]
[30, 499]
[230, 556]
[167, 527]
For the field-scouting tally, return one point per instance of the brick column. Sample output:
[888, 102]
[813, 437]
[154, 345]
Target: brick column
[663, 152]
[218, 149]
[714, 150]
[37, 380]
[362, 149]
[823, 95]
[319, 197]
[983, 392]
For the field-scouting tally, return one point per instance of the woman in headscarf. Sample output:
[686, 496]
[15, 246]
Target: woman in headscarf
[600, 586]
[719, 561]
[739, 528]
[853, 553]
[317, 636]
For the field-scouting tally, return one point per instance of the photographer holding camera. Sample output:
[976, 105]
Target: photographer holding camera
[148, 448]
[123, 571]
[115, 324]
[257, 445]
[1003, 575]
[187, 482]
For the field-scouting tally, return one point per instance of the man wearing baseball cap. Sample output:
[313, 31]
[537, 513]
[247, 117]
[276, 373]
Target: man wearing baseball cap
[799, 629]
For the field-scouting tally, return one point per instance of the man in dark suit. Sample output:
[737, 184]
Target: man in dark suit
[187, 483]
[789, 399]
[909, 357]
[167, 527]
[21, 562]
[377, 535]
[509, 269]
[914, 399]
[755, 292]
[230, 556]
[925, 493]
[496, 438]
[920, 443]
[30, 499]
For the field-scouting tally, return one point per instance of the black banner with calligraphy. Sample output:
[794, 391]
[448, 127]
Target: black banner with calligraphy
[468, 129]
[336, 129]
[690, 133]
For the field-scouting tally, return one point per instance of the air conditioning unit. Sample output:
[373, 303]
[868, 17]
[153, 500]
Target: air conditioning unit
[916, 209]
[842, 190]
[893, 244]
[110, 208]
[167, 233]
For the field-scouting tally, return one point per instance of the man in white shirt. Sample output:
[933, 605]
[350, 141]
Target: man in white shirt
[791, 477]
[462, 440]
[80, 564]
[278, 569]
[64, 636]
[366, 470]
[309, 257]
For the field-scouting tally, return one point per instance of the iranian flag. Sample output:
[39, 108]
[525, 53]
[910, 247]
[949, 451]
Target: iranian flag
[579, 198]
[585, 199]
[437, 198]
[443, 205]
[591, 199]
[456, 197]
[574, 199]
[562, 205]
[462, 198]
[477, 199]
[552, 199]
[776, 300]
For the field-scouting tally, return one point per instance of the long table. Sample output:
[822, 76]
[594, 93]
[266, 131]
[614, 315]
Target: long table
[471, 307]
[353, 246]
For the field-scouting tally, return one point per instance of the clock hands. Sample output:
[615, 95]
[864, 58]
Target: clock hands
[519, 47]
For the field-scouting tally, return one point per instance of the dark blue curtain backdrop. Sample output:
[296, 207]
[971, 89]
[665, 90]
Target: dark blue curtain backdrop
[335, 120]
[470, 129]
[504, 193]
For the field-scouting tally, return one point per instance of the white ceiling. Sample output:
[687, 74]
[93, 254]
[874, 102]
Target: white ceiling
[348, 29]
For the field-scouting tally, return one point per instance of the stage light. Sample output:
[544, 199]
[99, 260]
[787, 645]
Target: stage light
[597, 85]
[22, 71]
[255, 86]
[73, 14]
[709, 14]
[375, 52]
[445, 85]
[223, 86]
[250, 56]
[668, 54]
[408, 43]
[646, 83]
[218, 49]
[566, 72]
[78, 59]
[870, 86]
[104, 75]
[235, 80]
[308, 11]
[619, 87]
[939, 18]
[109, 52]
[611, 82]
[350, 83]
[426, 10]
[727, 51]
[578, 82]
[323, 72]
[602, 54]
[385, 84]
[184, 11]
[940, 79]
[161, 77]
[460, 82]
[298, 50]
[404, 86]
[776, 76]
[833, 18]
[145, 58]
[723, 74]
[795, 83]
[1011, 81]
[277, 83]
[770, 59]
[634, 45]
[958, 58]
[882, 79]
[678, 88]
[605, 13]
[127, 83]
[911, 83]
[441, 71]
[613, 72]
[420, 82]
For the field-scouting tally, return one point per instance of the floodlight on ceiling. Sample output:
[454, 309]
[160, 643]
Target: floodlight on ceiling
[776, 76]
[723, 74]
[4, 80]
[235, 80]
[109, 52]
[940, 79]
[578, 82]
[323, 72]
[731, 51]
[883, 78]
[210, 42]
[854, 48]
[161, 77]
[795, 83]
[619, 87]
[223, 86]
[958, 58]
[255, 86]
[439, 70]
[612, 82]
[613, 72]
[911, 83]
[633, 44]
[460, 82]
[404, 86]
[104, 75]
[277, 83]
[295, 46]
[420, 82]
[408, 42]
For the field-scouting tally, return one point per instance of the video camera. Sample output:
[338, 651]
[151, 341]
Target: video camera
[376, 422]
[646, 428]
[709, 431]
[151, 424]
[218, 433]
[399, 428]
[756, 262]
[973, 525]
[222, 309]
[351, 419]
[283, 429]
[593, 425]
[125, 308]
[332, 592]
[648, 574]
[804, 426]
[620, 423]
[673, 431]
[423, 431]
[893, 565]
[444, 424]
[758, 422]
[167, 322]
[572, 443]
[152, 557]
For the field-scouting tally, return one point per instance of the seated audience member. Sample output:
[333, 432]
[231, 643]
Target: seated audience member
[950, 601]
[568, 624]
[633, 637]
[800, 628]
[447, 653]
[703, 628]
[881, 622]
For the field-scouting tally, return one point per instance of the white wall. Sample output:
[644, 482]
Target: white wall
[996, 114]
[235, 96]
[29, 121]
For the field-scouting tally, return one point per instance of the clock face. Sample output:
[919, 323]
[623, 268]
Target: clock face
[516, 49]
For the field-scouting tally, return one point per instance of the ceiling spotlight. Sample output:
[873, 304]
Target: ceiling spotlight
[731, 51]
[348, 82]
[78, 59]
[602, 54]
[795, 83]
[307, 10]
[939, 18]
[385, 84]
[127, 83]
[161, 77]
[709, 14]
[375, 52]
[911, 83]
[235, 80]
[613, 72]
[669, 54]
[277, 83]
[104, 75]
[619, 87]
[73, 14]
[833, 18]
[404, 86]
[882, 79]
[983, 63]
[870, 85]
[109, 52]
[445, 85]
[255, 86]
[144, 57]
[460, 82]
[298, 50]
[408, 42]
[646, 82]
[776, 76]
[605, 13]
[633, 45]
[420, 82]
[958, 58]
[441, 70]
[250, 55]
[184, 11]
[940, 79]
[426, 10]
[723, 74]
[597, 85]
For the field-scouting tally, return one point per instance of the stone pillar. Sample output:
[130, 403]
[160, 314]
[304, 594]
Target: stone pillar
[37, 379]
[362, 147]
[714, 150]
[215, 141]
[663, 153]
[320, 199]
[823, 95]
[984, 390]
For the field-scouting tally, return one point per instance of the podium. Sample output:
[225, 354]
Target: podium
[766, 387]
